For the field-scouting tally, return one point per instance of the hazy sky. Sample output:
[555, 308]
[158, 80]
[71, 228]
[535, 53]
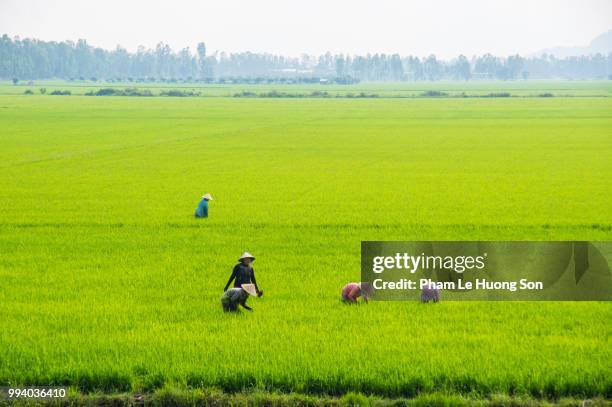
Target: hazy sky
[443, 27]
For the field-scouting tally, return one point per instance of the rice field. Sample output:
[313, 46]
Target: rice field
[109, 284]
[533, 88]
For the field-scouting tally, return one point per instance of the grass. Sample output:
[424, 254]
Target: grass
[111, 286]
[532, 88]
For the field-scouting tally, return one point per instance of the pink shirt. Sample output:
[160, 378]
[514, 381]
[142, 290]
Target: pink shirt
[351, 292]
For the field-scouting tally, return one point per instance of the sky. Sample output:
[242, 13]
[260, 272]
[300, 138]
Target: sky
[445, 28]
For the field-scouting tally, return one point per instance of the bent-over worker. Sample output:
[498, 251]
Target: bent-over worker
[202, 209]
[352, 291]
[237, 296]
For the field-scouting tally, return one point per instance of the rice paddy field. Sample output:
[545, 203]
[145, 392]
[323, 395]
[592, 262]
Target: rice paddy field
[532, 88]
[109, 284]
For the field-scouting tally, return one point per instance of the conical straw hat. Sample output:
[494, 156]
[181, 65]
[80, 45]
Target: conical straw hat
[207, 196]
[250, 288]
[246, 255]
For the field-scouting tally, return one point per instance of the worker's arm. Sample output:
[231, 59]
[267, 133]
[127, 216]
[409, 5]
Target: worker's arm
[254, 281]
[232, 277]
[246, 307]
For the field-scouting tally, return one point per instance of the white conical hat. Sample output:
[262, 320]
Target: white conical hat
[207, 196]
[246, 255]
[249, 288]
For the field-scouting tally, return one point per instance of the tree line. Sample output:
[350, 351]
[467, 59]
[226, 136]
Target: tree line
[36, 59]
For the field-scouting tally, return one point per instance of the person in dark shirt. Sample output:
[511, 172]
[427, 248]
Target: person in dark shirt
[243, 273]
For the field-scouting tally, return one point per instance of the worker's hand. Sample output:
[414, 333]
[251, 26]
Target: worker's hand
[260, 293]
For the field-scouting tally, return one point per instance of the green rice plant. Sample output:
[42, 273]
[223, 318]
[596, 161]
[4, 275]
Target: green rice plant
[110, 285]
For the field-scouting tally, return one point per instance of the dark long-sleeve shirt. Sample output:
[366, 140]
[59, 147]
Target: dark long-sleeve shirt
[242, 274]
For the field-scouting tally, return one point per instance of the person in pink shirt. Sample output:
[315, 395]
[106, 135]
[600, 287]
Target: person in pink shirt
[352, 291]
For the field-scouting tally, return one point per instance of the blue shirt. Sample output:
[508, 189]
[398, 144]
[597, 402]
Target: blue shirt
[202, 209]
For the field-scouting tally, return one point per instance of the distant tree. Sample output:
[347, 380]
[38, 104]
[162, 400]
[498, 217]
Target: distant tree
[487, 66]
[433, 69]
[514, 66]
[187, 64]
[396, 69]
[210, 67]
[163, 61]
[31, 59]
[82, 57]
[339, 66]
[42, 91]
[201, 49]
[414, 69]
[461, 68]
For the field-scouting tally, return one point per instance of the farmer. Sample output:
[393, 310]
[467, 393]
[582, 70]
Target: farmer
[202, 209]
[430, 293]
[237, 296]
[243, 273]
[352, 291]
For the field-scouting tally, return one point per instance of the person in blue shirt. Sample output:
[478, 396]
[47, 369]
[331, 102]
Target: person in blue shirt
[202, 209]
